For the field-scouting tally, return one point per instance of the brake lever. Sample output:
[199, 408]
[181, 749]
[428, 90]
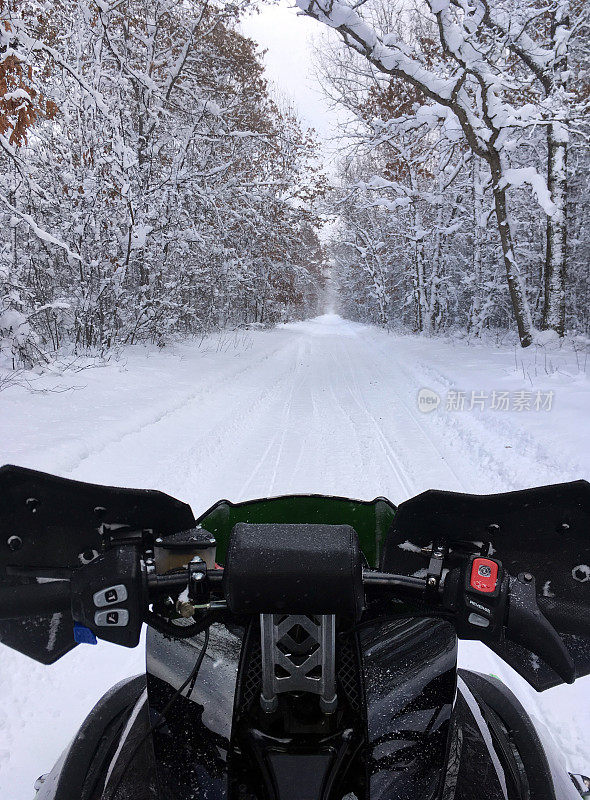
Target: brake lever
[526, 626]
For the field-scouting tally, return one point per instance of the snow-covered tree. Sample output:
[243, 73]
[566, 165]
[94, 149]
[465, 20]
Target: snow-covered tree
[170, 193]
[487, 76]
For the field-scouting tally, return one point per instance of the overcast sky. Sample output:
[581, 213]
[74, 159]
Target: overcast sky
[288, 38]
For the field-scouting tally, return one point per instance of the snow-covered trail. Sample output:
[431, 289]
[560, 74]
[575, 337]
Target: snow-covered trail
[322, 406]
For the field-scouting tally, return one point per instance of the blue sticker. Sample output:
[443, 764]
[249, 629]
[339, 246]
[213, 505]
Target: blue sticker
[83, 635]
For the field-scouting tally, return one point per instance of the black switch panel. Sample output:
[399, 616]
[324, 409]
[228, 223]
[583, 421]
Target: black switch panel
[109, 596]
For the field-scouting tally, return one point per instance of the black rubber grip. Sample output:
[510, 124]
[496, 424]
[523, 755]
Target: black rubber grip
[33, 600]
[565, 616]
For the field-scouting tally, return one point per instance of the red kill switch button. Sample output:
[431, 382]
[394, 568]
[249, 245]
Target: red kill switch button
[484, 574]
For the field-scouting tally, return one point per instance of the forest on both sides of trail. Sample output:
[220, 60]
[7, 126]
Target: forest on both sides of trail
[152, 187]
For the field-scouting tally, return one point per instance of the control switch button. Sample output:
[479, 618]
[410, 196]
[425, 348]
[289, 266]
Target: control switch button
[110, 596]
[484, 575]
[478, 620]
[113, 617]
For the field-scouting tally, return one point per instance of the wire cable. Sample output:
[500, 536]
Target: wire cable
[173, 631]
[191, 679]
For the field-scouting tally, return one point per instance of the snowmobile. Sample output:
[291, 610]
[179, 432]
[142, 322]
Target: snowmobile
[302, 647]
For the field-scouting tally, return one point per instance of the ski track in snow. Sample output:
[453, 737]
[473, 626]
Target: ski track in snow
[323, 406]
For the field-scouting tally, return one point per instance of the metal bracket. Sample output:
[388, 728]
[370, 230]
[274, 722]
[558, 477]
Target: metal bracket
[438, 554]
[298, 655]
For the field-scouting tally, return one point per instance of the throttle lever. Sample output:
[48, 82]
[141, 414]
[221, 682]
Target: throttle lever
[526, 626]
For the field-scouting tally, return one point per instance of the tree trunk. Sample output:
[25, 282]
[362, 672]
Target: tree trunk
[423, 319]
[556, 252]
[520, 303]
[436, 260]
[382, 301]
[557, 139]
[378, 289]
[476, 311]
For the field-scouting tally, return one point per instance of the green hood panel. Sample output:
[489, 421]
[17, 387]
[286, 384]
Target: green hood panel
[370, 519]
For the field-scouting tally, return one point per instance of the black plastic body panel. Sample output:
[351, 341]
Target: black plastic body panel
[191, 748]
[498, 697]
[474, 769]
[409, 675]
[81, 770]
[402, 705]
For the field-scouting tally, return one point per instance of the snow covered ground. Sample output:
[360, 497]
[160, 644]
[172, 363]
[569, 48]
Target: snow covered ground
[320, 406]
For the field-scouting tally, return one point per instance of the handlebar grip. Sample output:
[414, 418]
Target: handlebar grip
[566, 617]
[31, 600]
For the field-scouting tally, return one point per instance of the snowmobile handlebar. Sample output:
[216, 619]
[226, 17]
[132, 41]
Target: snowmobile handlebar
[55, 596]
[110, 598]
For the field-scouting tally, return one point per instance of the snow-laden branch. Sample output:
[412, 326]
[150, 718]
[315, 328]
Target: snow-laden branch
[390, 54]
[32, 45]
[517, 177]
[42, 234]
